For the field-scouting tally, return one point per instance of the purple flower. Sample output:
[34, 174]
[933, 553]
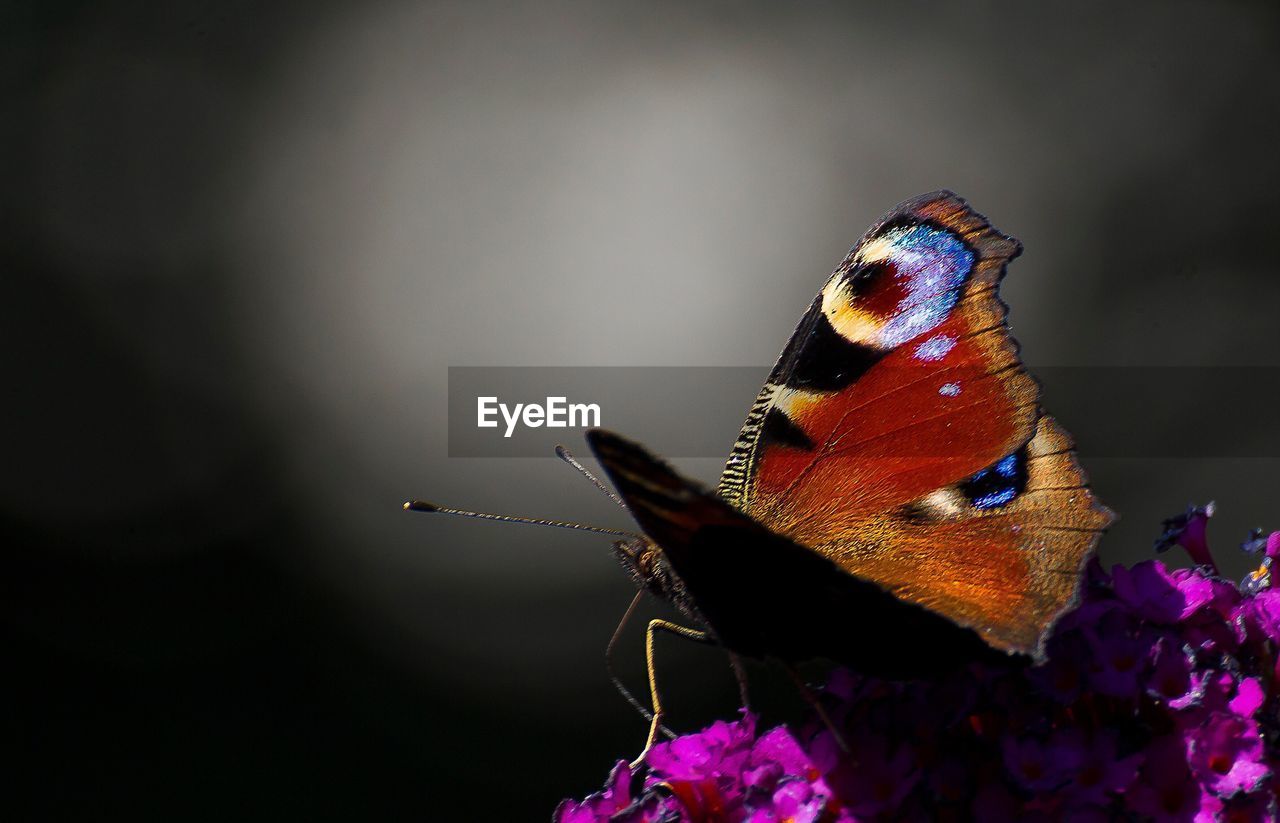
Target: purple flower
[1061, 676]
[1119, 655]
[1102, 772]
[1170, 678]
[1188, 530]
[794, 801]
[720, 750]
[1039, 765]
[1165, 791]
[603, 805]
[873, 778]
[703, 771]
[1205, 593]
[1151, 591]
[1158, 700]
[1225, 754]
[775, 756]
[1260, 615]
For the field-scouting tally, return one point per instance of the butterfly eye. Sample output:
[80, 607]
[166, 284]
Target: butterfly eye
[648, 558]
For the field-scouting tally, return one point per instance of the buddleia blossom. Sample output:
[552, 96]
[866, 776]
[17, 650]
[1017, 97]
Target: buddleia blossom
[1157, 700]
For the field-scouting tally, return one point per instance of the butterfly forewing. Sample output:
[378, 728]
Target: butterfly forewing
[900, 436]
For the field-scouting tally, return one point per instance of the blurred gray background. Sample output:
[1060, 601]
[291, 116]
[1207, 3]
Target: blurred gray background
[243, 242]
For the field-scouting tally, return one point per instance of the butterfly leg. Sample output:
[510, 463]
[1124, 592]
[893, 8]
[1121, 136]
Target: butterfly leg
[613, 676]
[655, 723]
[816, 705]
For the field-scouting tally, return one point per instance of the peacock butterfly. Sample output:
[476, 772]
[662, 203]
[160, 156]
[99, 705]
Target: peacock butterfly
[897, 500]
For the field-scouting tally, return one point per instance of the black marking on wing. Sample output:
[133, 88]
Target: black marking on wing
[917, 513]
[780, 430]
[819, 359]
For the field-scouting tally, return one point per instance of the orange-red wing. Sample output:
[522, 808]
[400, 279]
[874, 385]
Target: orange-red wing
[900, 436]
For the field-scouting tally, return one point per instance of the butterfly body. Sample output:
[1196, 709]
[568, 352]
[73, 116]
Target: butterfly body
[896, 483]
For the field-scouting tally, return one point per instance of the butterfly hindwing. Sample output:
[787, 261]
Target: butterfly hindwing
[900, 436]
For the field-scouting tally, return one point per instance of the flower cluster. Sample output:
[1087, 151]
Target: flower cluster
[1157, 701]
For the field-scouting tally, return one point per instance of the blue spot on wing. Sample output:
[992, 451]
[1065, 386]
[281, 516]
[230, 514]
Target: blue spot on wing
[998, 485]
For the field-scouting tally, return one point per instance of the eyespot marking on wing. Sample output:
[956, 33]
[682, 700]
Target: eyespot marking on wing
[897, 286]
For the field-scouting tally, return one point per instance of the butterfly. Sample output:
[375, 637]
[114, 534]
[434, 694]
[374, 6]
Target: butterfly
[897, 498]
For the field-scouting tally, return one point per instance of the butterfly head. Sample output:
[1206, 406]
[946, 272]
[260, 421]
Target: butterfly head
[645, 563]
[650, 569]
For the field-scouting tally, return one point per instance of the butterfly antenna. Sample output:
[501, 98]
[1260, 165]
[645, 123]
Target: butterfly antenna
[424, 506]
[565, 455]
